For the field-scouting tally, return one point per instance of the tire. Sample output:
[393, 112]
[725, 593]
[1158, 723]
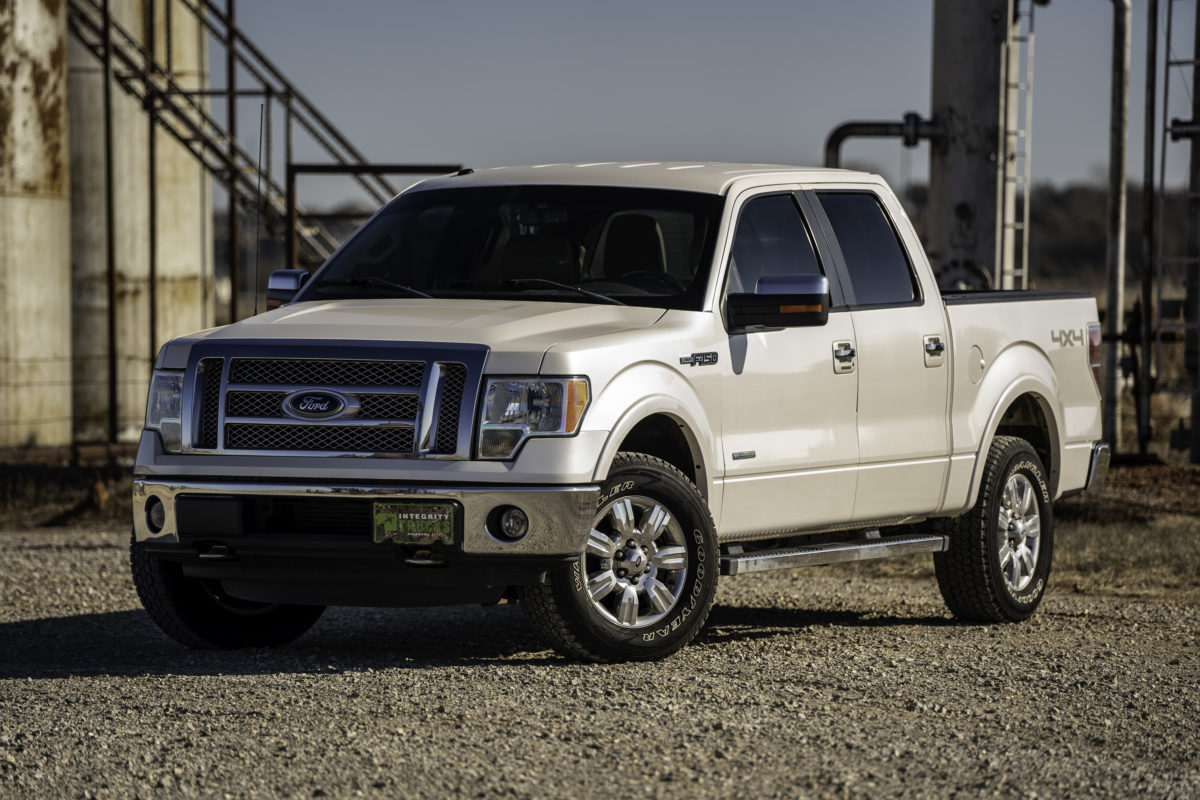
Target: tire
[197, 613]
[644, 585]
[998, 562]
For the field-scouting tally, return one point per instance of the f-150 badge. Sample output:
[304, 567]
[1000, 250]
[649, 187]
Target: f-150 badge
[699, 359]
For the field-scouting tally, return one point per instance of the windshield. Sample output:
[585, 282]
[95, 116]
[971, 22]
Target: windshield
[582, 244]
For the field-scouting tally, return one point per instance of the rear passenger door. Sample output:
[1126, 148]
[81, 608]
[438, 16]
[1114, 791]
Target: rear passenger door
[900, 331]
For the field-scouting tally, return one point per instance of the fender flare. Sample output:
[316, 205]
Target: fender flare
[1027, 384]
[674, 398]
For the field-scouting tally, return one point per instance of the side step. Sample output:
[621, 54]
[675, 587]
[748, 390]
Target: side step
[833, 553]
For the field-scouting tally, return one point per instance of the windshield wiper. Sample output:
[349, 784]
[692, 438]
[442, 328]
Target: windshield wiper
[379, 283]
[518, 283]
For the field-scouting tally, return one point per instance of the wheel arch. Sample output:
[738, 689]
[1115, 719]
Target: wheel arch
[659, 426]
[1025, 410]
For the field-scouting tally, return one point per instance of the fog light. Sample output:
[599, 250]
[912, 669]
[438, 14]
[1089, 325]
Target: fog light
[514, 523]
[156, 515]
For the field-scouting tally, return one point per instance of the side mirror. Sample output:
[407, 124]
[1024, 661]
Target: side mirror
[781, 301]
[283, 285]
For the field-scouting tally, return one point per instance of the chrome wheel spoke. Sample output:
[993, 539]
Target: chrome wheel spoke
[1026, 498]
[601, 584]
[1025, 556]
[600, 545]
[623, 518]
[627, 607]
[654, 522]
[1015, 562]
[1033, 528]
[673, 557]
[660, 596]
[1006, 555]
[1004, 518]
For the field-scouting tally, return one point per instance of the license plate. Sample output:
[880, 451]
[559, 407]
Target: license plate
[414, 523]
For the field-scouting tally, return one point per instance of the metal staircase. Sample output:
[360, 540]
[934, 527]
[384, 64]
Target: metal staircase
[185, 114]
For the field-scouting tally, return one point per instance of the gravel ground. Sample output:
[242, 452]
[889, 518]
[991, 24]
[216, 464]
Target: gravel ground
[843, 682]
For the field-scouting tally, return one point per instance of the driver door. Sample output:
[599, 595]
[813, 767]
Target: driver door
[789, 424]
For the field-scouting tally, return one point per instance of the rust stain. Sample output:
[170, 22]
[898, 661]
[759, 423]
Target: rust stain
[47, 84]
[9, 71]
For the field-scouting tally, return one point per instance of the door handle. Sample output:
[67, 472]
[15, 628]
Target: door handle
[935, 347]
[844, 352]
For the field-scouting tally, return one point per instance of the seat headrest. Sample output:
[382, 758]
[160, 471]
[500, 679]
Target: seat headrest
[634, 244]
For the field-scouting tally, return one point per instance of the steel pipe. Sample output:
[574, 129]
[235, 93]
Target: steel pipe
[911, 130]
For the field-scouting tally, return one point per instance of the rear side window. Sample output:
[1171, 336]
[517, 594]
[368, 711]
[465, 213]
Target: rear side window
[771, 239]
[878, 266]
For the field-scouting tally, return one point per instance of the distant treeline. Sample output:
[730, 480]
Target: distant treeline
[1068, 235]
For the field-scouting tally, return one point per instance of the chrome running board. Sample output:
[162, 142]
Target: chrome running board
[832, 553]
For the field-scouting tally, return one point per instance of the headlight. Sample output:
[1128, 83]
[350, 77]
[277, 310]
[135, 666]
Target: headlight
[516, 408]
[164, 408]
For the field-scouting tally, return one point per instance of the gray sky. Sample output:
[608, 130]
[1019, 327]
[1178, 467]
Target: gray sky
[492, 83]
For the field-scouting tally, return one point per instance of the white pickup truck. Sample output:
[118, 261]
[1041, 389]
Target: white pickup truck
[594, 388]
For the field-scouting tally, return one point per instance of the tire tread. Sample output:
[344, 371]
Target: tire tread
[545, 608]
[963, 574]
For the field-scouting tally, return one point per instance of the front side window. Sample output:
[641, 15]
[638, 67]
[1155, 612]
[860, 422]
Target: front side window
[771, 239]
[585, 244]
[878, 266]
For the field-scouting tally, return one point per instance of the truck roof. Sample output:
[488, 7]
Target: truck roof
[692, 176]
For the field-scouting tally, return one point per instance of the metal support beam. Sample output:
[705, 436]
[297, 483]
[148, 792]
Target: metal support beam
[1145, 377]
[1118, 123]
[152, 182]
[1192, 283]
[110, 237]
[232, 132]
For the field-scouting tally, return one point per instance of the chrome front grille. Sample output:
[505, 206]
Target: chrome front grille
[393, 407]
[327, 373]
[209, 377]
[454, 378]
[336, 438]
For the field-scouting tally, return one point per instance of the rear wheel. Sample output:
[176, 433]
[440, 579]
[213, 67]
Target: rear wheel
[998, 563]
[199, 613]
[646, 580]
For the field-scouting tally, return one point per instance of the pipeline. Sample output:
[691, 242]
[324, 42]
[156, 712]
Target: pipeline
[912, 129]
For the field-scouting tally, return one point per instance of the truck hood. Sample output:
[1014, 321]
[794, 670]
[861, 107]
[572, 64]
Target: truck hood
[518, 331]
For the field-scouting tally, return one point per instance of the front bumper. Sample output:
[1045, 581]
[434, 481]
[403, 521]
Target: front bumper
[314, 545]
[560, 517]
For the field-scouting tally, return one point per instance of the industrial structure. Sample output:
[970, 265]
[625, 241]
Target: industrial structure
[114, 141]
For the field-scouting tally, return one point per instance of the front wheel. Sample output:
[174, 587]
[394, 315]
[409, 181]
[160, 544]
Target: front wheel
[199, 613]
[998, 562]
[646, 580]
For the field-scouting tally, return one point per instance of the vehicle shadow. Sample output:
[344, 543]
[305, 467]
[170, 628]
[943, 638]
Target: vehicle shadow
[127, 643]
[345, 639]
[728, 623]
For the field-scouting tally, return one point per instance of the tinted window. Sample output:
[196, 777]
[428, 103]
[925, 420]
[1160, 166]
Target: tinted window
[878, 266]
[640, 246]
[771, 239]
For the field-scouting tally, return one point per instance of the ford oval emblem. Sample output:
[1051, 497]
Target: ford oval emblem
[311, 404]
